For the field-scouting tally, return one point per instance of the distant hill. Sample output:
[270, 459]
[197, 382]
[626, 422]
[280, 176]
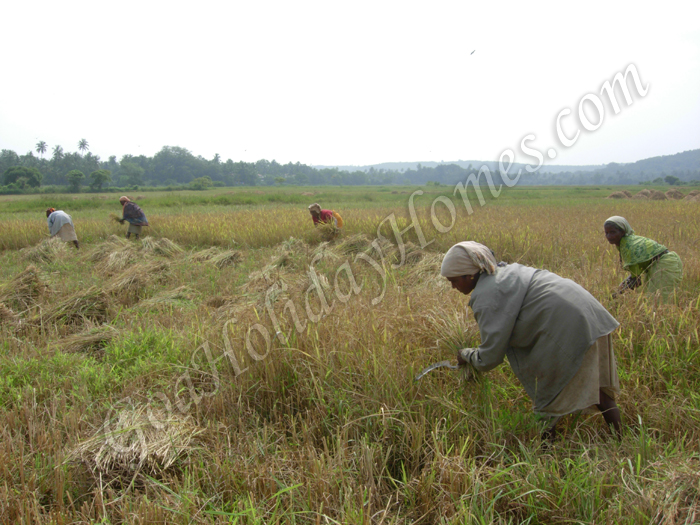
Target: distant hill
[687, 160]
[403, 166]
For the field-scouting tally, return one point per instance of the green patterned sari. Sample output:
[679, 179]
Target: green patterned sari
[637, 254]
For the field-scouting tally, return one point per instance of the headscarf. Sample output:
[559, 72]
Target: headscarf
[468, 258]
[124, 199]
[315, 208]
[50, 211]
[621, 224]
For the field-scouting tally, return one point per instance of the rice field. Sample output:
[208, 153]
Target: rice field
[238, 365]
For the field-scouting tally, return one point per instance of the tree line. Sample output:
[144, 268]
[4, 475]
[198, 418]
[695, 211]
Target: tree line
[176, 168]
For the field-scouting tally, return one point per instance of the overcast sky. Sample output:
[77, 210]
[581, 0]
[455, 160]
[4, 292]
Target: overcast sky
[341, 83]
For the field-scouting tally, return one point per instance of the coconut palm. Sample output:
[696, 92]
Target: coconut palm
[41, 148]
[83, 146]
[57, 152]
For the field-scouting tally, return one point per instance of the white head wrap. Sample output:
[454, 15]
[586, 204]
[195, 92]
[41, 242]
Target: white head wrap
[315, 208]
[468, 258]
[621, 224]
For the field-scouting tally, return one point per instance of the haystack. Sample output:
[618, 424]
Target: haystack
[674, 194]
[656, 195]
[24, 290]
[628, 193]
[163, 246]
[644, 194]
[46, 251]
[136, 440]
[692, 196]
[618, 195]
[89, 304]
[89, 340]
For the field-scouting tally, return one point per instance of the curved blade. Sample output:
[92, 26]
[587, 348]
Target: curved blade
[441, 364]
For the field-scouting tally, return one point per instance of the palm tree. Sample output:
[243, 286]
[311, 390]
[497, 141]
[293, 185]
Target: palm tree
[41, 148]
[57, 152]
[83, 146]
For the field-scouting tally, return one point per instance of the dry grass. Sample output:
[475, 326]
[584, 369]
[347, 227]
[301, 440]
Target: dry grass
[46, 251]
[227, 258]
[674, 194]
[137, 440]
[90, 304]
[164, 247]
[618, 195]
[92, 339]
[644, 194]
[656, 195]
[24, 290]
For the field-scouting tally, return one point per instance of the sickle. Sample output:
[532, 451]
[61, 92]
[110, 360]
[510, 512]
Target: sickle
[440, 364]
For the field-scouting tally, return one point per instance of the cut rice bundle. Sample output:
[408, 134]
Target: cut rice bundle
[227, 258]
[90, 340]
[180, 296]
[46, 251]
[89, 304]
[205, 255]
[163, 246]
[24, 290]
[137, 440]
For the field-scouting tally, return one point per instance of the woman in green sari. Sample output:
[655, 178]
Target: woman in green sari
[650, 264]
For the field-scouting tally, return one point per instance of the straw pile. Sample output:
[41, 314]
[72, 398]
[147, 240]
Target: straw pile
[163, 246]
[644, 194]
[674, 194]
[86, 304]
[137, 440]
[93, 339]
[130, 285]
[354, 244]
[24, 290]
[204, 255]
[618, 195]
[227, 258]
[180, 296]
[693, 196]
[46, 251]
[656, 195]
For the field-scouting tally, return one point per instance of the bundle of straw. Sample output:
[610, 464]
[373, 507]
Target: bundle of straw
[178, 296]
[7, 316]
[137, 439]
[227, 258]
[46, 251]
[88, 304]
[23, 291]
[93, 339]
[164, 247]
[204, 255]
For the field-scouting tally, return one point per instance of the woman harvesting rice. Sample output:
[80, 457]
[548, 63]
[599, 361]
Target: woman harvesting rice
[555, 334]
[646, 260]
[133, 214]
[325, 216]
[61, 224]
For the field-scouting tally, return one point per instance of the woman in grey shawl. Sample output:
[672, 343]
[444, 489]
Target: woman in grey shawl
[61, 224]
[556, 335]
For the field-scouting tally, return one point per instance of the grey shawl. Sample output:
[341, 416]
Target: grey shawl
[543, 323]
[57, 220]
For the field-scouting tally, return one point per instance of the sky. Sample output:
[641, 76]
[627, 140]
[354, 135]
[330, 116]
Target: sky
[349, 83]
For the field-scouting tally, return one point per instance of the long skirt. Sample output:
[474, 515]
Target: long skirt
[67, 233]
[133, 228]
[598, 372]
[664, 275]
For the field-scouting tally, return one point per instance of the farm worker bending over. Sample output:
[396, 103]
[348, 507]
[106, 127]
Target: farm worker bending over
[133, 214]
[61, 224]
[645, 259]
[555, 334]
[325, 216]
